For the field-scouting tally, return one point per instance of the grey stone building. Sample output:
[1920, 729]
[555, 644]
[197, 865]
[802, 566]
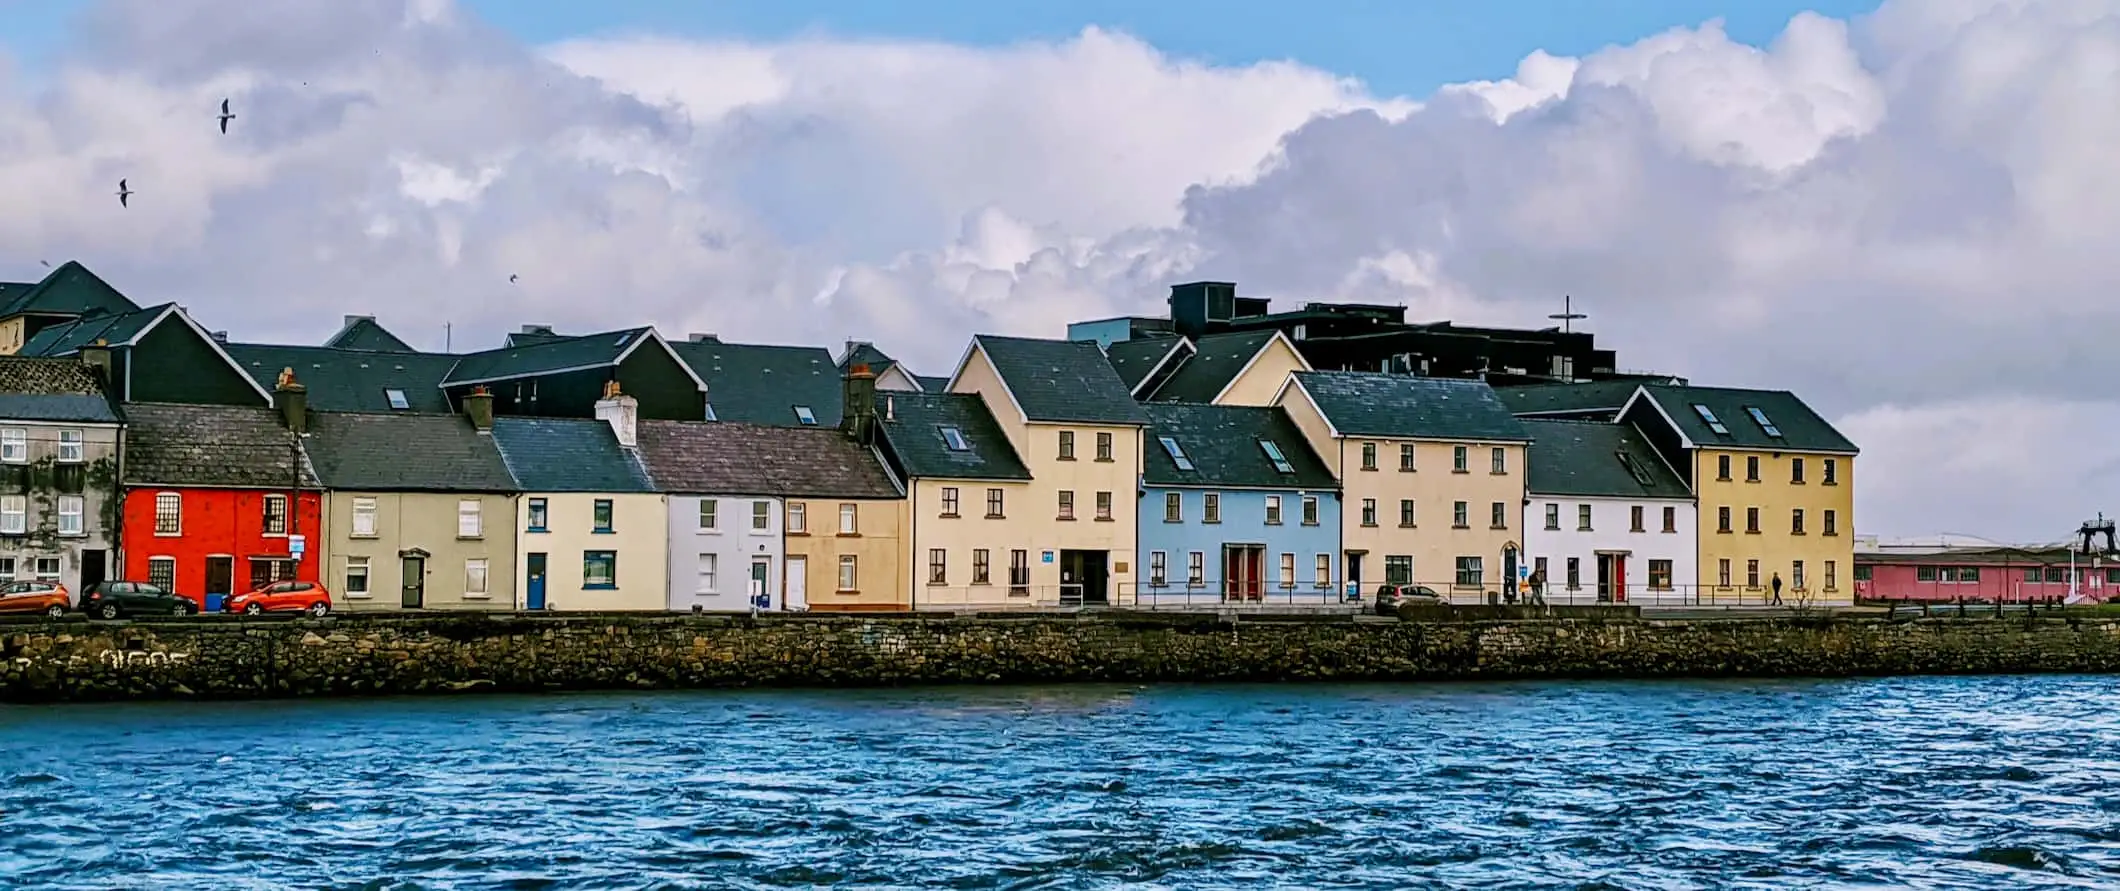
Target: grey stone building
[59, 503]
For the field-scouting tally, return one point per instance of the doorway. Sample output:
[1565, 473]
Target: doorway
[761, 570]
[220, 581]
[92, 569]
[415, 582]
[1085, 578]
[1354, 573]
[1243, 572]
[1611, 577]
[535, 572]
[797, 583]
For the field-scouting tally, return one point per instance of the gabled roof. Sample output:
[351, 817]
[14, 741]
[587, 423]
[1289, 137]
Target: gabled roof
[568, 455]
[518, 339]
[718, 457]
[1800, 428]
[1060, 381]
[1597, 459]
[1136, 359]
[70, 290]
[1362, 403]
[932, 383]
[211, 445]
[127, 330]
[1222, 442]
[862, 352]
[351, 380]
[762, 384]
[37, 389]
[601, 350]
[1215, 362]
[912, 426]
[365, 333]
[1591, 396]
[405, 453]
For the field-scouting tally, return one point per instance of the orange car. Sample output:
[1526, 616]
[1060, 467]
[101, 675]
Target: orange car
[49, 598]
[278, 597]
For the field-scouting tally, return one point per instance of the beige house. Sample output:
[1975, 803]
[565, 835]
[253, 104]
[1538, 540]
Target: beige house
[590, 524]
[419, 513]
[1432, 471]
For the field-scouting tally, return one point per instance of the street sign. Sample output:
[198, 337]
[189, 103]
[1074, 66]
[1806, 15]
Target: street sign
[296, 545]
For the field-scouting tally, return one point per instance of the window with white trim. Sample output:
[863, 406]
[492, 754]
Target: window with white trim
[71, 450]
[14, 445]
[475, 577]
[14, 514]
[162, 572]
[70, 509]
[849, 519]
[356, 584]
[469, 521]
[709, 575]
[169, 513]
[849, 573]
[364, 517]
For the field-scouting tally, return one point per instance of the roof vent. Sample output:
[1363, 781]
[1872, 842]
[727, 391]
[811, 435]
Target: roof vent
[703, 338]
[537, 329]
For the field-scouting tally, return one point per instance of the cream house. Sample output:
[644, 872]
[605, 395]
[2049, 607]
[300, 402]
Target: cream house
[971, 529]
[1432, 471]
[419, 511]
[591, 526]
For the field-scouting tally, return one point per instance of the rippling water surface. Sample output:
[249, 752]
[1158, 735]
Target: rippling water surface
[1919, 783]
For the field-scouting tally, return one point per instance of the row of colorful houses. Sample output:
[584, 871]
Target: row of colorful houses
[620, 470]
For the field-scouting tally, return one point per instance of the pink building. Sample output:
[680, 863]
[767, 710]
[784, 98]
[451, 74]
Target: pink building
[2004, 574]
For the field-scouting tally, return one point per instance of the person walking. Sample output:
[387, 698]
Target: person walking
[1777, 589]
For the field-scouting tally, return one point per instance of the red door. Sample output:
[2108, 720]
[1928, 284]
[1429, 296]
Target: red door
[1619, 579]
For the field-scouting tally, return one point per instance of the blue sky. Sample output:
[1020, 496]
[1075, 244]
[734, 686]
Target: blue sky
[1398, 46]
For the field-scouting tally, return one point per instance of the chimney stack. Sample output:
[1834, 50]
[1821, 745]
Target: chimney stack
[478, 406]
[292, 399]
[622, 412]
[97, 356]
[858, 415]
[353, 320]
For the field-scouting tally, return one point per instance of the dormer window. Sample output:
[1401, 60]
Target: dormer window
[1273, 453]
[804, 416]
[1708, 415]
[954, 439]
[397, 399]
[1760, 418]
[1177, 452]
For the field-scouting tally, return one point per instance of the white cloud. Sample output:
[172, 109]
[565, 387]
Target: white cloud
[1909, 219]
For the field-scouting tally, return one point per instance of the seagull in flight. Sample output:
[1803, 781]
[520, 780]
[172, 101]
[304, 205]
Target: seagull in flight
[511, 279]
[226, 116]
[124, 192]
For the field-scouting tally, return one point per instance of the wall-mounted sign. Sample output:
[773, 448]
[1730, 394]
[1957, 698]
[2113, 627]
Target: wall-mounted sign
[1046, 557]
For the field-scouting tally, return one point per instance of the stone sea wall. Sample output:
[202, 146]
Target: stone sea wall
[233, 658]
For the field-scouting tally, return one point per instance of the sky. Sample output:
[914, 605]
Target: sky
[1905, 213]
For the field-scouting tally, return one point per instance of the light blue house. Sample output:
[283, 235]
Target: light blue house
[1235, 507]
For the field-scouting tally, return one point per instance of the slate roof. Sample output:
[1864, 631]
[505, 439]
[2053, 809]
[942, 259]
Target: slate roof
[350, 380]
[1061, 381]
[1593, 396]
[912, 428]
[210, 445]
[69, 290]
[1801, 428]
[35, 389]
[113, 328]
[1222, 441]
[933, 384]
[531, 338]
[1135, 359]
[762, 384]
[1362, 403]
[1598, 459]
[568, 455]
[718, 457]
[405, 453]
[865, 353]
[1216, 360]
[586, 351]
[365, 333]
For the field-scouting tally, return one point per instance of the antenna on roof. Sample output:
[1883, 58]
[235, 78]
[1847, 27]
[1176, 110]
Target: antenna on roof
[1567, 314]
[448, 334]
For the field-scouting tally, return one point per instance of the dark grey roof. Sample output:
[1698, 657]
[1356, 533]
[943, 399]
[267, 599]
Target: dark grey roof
[111, 328]
[865, 353]
[365, 333]
[1223, 444]
[717, 457]
[34, 389]
[762, 384]
[351, 380]
[586, 351]
[1361, 403]
[1592, 396]
[1801, 428]
[405, 453]
[912, 428]
[568, 455]
[1061, 381]
[69, 290]
[1216, 360]
[1135, 359]
[210, 445]
[933, 384]
[1595, 458]
[517, 339]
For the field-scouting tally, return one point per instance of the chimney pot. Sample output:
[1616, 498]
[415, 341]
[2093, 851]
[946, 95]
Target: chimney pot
[857, 416]
[478, 406]
[292, 400]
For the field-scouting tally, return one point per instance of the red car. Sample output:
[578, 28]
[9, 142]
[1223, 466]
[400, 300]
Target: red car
[283, 597]
[49, 598]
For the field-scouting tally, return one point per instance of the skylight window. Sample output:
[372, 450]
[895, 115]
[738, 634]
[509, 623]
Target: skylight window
[397, 399]
[1273, 453]
[954, 438]
[1714, 423]
[1764, 424]
[1177, 452]
[805, 416]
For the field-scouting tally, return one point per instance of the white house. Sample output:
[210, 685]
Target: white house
[1606, 519]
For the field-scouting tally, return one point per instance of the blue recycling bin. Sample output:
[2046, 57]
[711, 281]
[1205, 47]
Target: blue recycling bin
[215, 601]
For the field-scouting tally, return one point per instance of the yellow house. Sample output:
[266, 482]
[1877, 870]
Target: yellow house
[971, 530]
[592, 529]
[1072, 423]
[1245, 368]
[1432, 471]
[1776, 489]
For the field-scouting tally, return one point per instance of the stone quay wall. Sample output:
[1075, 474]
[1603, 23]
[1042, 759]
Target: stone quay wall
[230, 658]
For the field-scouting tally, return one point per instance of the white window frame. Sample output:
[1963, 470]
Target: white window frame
[14, 445]
[175, 500]
[470, 514]
[849, 518]
[79, 507]
[1158, 568]
[367, 576]
[1288, 570]
[73, 447]
[849, 573]
[51, 575]
[707, 575]
[797, 514]
[265, 512]
[1196, 568]
[709, 516]
[1322, 569]
[164, 559]
[364, 516]
[479, 570]
[14, 514]
[761, 517]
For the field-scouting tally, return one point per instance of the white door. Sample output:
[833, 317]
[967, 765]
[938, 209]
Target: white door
[797, 570]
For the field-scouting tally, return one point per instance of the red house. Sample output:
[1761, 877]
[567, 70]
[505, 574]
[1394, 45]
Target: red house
[1983, 574]
[216, 496]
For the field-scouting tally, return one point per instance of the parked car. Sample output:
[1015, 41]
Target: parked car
[282, 597]
[117, 599]
[1390, 596]
[49, 598]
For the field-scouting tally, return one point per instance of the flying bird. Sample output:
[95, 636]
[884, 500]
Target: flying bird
[511, 279]
[46, 263]
[226, 116]
[124, 192]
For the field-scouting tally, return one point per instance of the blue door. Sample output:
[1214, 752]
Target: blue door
[537, 581]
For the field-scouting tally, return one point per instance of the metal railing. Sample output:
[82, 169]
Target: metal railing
[1641, 594]
[1339, 598]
